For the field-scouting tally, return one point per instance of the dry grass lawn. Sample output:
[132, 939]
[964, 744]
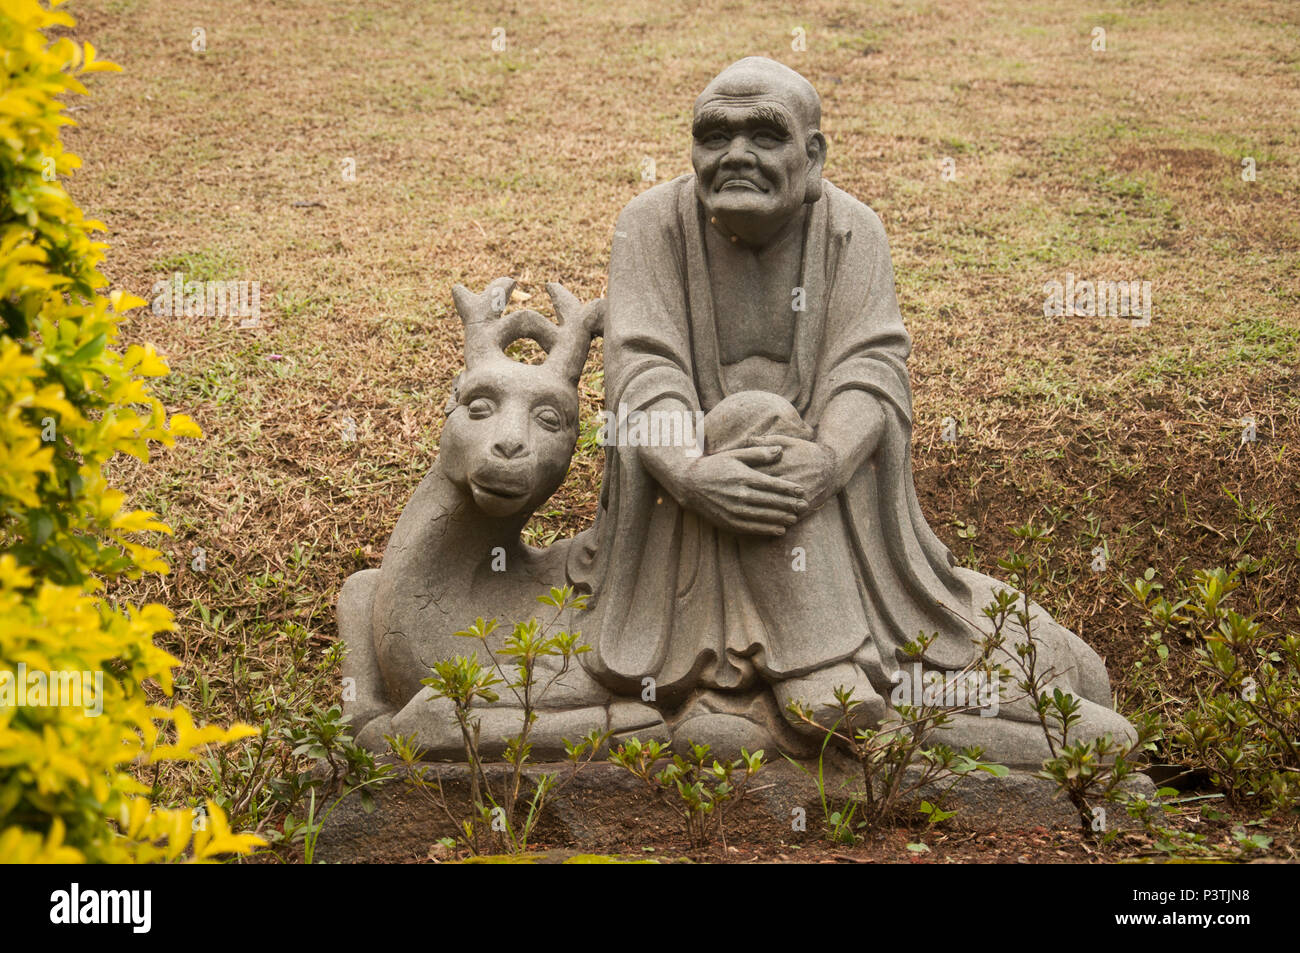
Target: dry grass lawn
[471, 164]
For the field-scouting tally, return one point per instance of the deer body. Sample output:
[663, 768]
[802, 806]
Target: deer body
[456, 554]
[445, 566]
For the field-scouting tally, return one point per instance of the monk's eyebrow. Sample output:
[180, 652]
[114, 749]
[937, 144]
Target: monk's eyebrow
[712, 118]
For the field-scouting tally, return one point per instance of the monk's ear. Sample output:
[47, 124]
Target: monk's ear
[816, 159]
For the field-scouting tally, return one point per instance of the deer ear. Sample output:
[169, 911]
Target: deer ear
[464, 299]
[567, 307]
[453, 399]
[490, 304]
[498, 295]
[593, 318]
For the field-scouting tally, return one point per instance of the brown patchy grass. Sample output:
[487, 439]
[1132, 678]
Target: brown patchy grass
[472, 164]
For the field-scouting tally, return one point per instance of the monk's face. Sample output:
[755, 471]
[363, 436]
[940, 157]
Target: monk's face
[752, 159]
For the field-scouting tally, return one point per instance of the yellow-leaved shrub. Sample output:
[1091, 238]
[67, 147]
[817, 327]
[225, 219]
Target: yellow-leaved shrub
[70, 400]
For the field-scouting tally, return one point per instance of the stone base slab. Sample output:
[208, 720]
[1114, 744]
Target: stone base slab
[606, 810]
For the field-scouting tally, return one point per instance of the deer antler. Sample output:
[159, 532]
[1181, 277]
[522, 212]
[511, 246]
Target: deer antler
[489, 331]
[579, 323]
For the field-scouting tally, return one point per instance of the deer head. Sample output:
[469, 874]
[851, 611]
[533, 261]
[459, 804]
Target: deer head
[511, 427]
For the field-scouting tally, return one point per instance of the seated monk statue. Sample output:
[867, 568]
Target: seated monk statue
[788, 555]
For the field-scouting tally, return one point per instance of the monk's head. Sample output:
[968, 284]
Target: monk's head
[758, 152]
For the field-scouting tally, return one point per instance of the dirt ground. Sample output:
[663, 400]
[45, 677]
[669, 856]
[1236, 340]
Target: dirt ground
[358, 159]
[659, 837]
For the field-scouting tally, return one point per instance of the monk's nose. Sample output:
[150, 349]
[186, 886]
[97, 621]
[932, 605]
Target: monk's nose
[507, 448]
[738, 152]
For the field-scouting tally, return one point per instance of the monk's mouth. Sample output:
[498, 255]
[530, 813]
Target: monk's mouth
[740, 184]
[501, 490]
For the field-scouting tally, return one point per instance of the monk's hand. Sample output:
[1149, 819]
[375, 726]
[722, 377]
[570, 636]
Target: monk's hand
[810, 466]
[731, 491]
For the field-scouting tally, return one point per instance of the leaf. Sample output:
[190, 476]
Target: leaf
[91, 349]
[139, 521]
[182, 425]
[189, 737]
[217, 839]
[92, 65]
[42, 525]
[123, 301]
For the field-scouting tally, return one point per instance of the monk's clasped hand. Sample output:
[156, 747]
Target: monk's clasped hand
[731, 490]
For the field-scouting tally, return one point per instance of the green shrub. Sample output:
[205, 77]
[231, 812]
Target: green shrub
[1239, 720]
[1089, 771]
[899, 761]
[703, 791]
[69, 402]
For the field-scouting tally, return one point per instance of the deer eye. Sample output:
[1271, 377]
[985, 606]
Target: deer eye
[550, 418]
[480, 407]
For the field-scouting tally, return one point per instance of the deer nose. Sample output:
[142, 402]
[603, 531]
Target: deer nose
[507, 448]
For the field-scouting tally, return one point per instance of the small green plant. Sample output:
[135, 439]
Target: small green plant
[311, 826]
[1179, 844]
[885, 754]
[504, 820]
[591, 436]
[538, 537]
[304, 753]
[1242, 723]
[837, 822]
[703, 791]
[1088, 771]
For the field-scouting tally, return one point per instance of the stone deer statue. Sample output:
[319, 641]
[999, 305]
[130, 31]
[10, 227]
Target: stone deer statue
[456, 552]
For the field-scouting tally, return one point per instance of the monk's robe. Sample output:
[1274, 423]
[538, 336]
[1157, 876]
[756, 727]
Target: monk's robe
[690, 605]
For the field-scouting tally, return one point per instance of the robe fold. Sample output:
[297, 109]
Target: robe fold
[689, 605]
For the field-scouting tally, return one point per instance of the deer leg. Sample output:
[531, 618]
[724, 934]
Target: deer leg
[364, 695]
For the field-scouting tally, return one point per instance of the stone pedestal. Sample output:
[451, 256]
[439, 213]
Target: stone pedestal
[605, 810]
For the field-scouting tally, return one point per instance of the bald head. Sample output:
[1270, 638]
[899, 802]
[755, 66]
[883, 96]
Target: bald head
[757, 77]
[757, 152]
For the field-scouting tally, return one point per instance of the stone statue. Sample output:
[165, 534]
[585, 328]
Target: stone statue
[456, 554]
[776, 550]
